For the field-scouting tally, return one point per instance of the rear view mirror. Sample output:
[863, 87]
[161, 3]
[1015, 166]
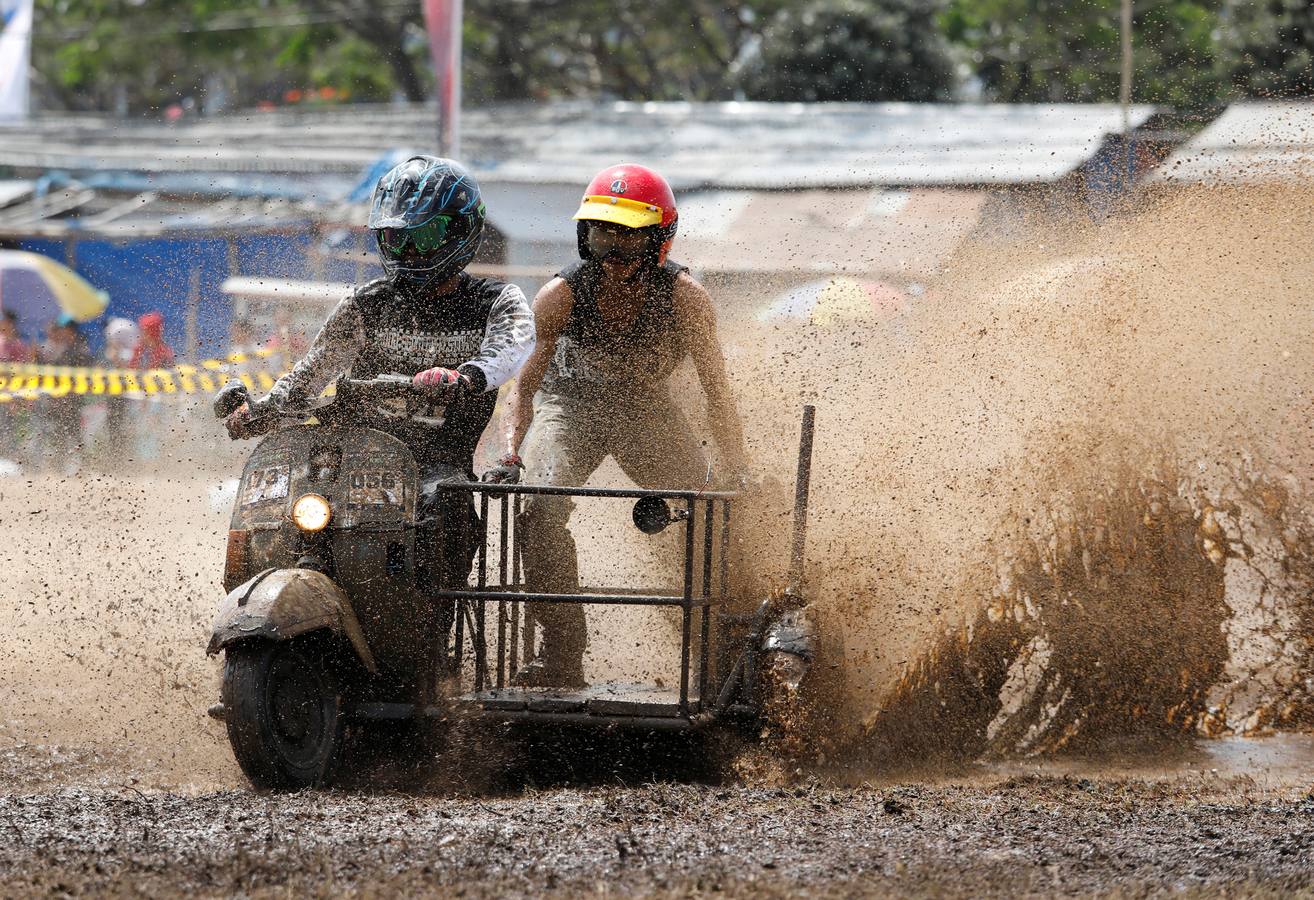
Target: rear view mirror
[653, 514]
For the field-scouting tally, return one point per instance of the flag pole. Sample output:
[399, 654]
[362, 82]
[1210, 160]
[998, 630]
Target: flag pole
[443, 22]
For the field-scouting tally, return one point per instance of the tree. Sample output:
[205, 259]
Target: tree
[135, 55]
[1069, 50]
[852, 50]
[1270, 46]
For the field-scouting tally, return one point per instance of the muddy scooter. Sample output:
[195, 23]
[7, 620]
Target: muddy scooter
[335, 623]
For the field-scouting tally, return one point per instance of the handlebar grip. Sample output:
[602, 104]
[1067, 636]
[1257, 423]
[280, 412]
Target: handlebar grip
[230, 399]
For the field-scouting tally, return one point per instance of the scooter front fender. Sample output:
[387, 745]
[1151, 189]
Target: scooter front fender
[279, 604]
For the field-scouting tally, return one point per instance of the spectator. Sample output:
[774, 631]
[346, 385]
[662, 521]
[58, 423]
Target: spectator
[121, 338]
[12, 346]
[151, 351]
[242, 338]
[61, 416]
[13, 415]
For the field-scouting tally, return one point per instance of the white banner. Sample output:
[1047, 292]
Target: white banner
[15, 52]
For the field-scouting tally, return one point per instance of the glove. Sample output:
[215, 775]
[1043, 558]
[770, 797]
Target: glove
[243, 424]
[442, 385]
[507, 471]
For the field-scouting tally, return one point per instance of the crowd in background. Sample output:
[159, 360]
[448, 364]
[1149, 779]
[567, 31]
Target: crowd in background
[62, 433]
[58, 432]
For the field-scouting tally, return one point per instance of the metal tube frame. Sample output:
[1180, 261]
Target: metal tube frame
[514, 627]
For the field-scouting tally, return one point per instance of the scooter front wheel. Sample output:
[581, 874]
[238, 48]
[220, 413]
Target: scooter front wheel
[285, 718]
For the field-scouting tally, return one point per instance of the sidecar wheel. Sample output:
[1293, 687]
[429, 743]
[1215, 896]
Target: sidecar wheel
[284, 716]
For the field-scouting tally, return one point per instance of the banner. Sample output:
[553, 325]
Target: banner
[442, 18]
[15, 52]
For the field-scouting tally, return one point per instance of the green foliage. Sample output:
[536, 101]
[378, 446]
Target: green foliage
[1070, 50]
[852, 50]
[1270, 44]
[137, 55]
[141, 55]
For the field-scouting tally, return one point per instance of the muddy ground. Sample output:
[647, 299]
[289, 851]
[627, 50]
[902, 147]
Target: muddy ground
[1061, 506]
[983, 833]
[114, 782]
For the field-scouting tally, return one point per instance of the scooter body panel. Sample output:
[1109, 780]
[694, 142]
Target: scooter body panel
[283, 603]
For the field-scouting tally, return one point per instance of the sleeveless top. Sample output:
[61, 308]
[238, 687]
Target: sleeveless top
[595, 362]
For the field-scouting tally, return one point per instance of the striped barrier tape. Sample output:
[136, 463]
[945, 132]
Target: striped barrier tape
[28, 381]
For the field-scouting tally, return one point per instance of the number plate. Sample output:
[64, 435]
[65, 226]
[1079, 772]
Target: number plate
[266, 483]
[375, 487]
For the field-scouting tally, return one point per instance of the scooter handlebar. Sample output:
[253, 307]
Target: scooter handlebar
[380, 387]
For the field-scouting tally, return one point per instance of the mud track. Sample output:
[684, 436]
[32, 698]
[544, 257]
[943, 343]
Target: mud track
[1016, 835]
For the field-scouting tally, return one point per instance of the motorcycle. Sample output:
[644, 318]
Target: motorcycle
[348, 611]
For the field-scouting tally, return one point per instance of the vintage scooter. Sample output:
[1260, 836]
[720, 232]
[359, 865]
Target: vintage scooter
[334, 623]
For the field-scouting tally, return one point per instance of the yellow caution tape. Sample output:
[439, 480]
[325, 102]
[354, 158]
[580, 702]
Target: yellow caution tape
[27, 381]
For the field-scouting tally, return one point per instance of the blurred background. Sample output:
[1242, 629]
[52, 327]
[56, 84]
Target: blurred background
[203, 166]
[1043, 266]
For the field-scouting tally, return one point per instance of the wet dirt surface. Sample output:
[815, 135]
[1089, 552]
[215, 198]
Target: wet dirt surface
[985, 834]
[1028, 610]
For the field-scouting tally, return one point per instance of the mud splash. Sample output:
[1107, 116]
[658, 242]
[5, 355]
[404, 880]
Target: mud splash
[1066, 499]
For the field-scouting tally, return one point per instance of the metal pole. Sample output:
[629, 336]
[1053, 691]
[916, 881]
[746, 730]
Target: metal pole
[1125, 89]
[802, 483]
[443, 20]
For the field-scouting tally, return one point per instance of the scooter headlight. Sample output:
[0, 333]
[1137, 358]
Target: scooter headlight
[311, 512]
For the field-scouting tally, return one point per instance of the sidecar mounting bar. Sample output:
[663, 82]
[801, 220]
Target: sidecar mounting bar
[560, 491]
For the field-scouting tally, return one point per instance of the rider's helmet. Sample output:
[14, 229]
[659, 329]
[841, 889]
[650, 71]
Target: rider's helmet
[428, 217]
[628, 196]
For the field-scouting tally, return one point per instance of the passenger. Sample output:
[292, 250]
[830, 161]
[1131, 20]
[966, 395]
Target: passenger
[611, 329]
[460, 337]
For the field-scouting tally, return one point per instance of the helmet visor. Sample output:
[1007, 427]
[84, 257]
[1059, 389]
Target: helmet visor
[607, 241]
[424, 238]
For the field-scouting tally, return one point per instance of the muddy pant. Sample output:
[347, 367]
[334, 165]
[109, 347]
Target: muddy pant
[651, 441]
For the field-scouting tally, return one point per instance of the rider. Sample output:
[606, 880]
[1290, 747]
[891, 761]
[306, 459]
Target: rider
[611, 329]
[459, 337]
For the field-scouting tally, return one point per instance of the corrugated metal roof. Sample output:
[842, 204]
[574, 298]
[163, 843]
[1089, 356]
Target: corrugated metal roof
[1249, 141]
[728, 145]
[906, 235]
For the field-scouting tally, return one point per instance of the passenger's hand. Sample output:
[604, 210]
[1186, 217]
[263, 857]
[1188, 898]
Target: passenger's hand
[507, 470]
[243, 424]
[442, 385]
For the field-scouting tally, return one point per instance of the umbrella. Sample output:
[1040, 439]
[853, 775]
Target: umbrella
[834, 300]
[38, 289]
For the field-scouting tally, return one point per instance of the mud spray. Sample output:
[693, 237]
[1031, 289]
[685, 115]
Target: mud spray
[1060, 500]
[1064, 500]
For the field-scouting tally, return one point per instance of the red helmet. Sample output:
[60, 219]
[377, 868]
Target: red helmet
[633, 196]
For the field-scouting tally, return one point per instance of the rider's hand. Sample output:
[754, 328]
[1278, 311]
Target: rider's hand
[442, 385]
[242, 423]
[507, 470]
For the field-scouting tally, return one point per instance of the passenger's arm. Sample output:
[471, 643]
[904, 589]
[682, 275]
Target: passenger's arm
[333, 351]
[508, 341]
[697, 321]
[551, 312]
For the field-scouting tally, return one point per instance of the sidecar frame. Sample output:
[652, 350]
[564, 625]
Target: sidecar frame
[717, 682]
[705, 517]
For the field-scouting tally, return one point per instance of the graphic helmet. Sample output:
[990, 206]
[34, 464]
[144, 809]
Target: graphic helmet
[427, 216]
[630, 196]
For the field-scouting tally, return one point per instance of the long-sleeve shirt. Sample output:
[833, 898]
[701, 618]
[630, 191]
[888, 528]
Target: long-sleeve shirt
[484, 324]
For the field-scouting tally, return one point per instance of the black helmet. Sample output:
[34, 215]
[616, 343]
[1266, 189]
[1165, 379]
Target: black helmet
[431, 207]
